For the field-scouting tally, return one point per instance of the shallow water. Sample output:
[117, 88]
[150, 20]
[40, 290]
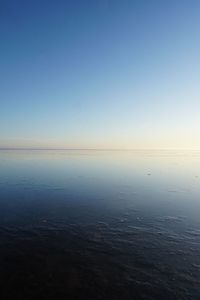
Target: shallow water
[99, 224]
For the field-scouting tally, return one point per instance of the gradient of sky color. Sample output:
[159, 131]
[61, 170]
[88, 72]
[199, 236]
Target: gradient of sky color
[100, 74]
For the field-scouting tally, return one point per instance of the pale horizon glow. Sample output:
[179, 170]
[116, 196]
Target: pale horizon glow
[100, 74]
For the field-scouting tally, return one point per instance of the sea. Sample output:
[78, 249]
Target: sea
[99, 224]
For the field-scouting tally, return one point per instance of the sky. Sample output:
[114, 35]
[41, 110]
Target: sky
[100, 74]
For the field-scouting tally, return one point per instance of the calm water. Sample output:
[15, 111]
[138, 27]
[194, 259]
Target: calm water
[99, 225]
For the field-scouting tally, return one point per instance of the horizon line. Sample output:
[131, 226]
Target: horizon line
[95, 149]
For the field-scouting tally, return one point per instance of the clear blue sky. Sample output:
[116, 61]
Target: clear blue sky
[111, 74]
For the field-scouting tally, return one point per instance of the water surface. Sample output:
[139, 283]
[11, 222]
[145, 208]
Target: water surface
[99, 224]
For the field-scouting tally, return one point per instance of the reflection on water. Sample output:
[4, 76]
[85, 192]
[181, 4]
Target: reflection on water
[99, 225]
